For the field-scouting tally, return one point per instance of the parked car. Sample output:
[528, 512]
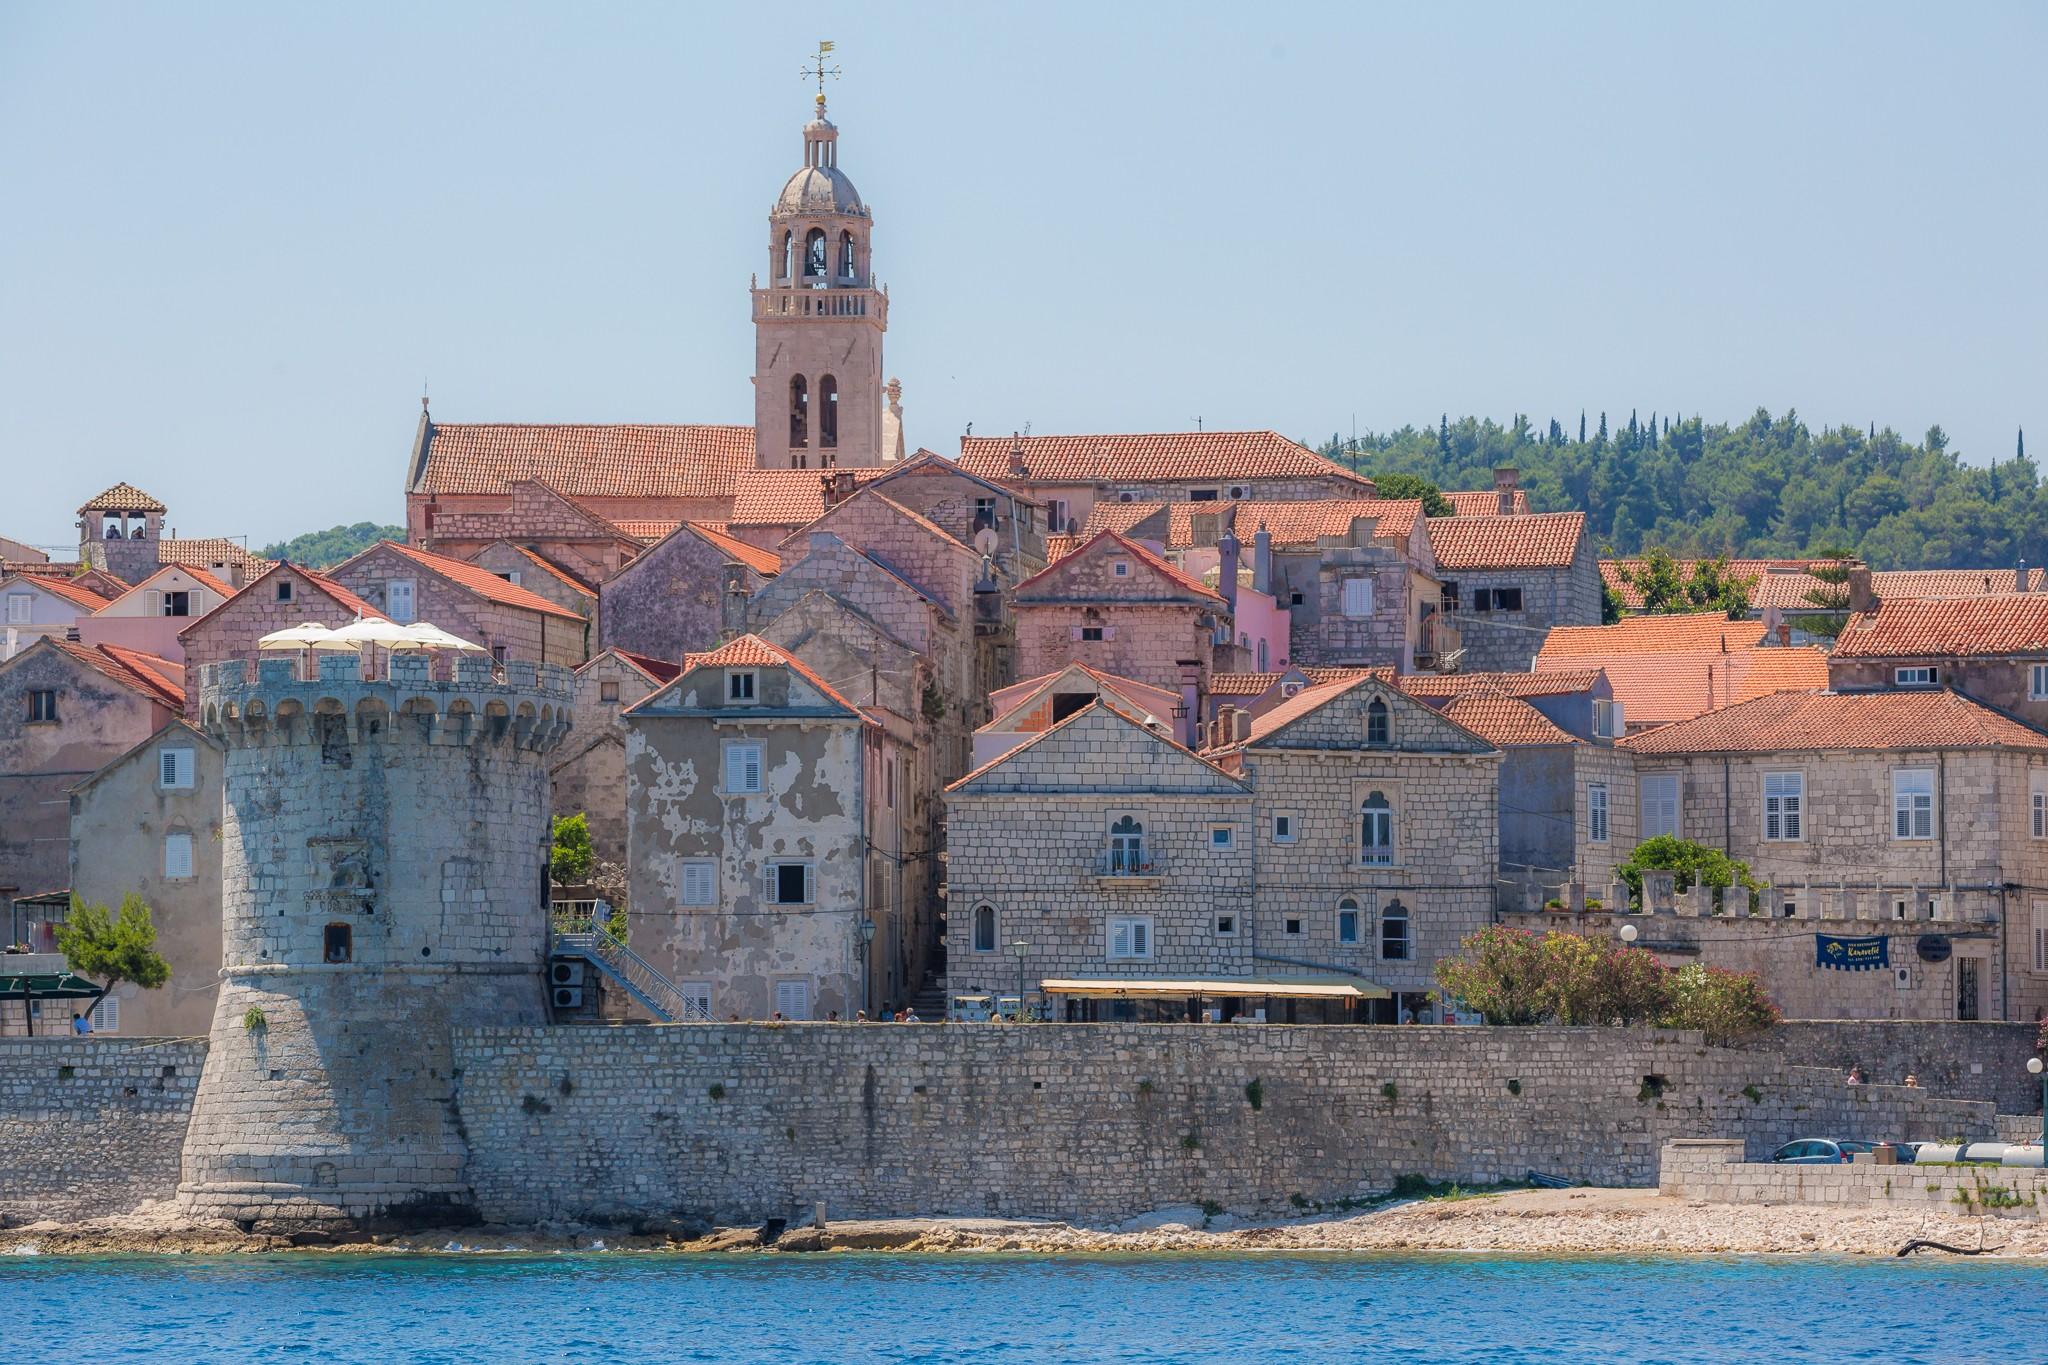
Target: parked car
[1820, 1151]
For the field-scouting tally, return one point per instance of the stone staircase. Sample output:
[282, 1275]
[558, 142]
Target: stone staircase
[589, 944]
[929, 1000]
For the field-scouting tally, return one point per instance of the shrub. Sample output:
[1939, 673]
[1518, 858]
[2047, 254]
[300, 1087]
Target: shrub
[1510, 976]
[1504, 978]
[254, 1020]
[572, 857]
[1724, 1005]
[1694, 863]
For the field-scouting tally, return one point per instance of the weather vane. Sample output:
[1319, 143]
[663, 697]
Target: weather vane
[818, 69]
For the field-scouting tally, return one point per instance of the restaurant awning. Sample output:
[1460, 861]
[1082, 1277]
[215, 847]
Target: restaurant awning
[41, 986]
[1282, 987]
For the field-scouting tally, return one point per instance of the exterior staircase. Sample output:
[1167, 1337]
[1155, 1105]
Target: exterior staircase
[586, 943]
[929, 1000]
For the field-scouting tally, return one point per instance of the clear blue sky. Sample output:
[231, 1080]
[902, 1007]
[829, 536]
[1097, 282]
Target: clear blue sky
[237, 237]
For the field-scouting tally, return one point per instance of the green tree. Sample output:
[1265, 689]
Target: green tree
[1695, 864]
[1726, 1006]
[1398, 485]
[1832, 594]
[1667, 587]
[1505, 976]
[572, 857]
[322, 549]
[108, 949]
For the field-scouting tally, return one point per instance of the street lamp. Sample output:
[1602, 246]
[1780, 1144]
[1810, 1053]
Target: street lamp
[1628, 933]
[2034, 1065]
[1020, 947]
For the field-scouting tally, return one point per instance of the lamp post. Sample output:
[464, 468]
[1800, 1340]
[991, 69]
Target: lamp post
[1020, 948]
[866, 930]
[2034, 1065]
[1628, 933]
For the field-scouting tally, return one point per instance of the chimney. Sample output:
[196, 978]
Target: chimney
[1262, 560]
[732, 615]
[1860, 599]
[1785, 634]
[1241, 727]
[836, 486]
[1226, 571]
[1017, 469]
[1505, 482]
[2019, 579]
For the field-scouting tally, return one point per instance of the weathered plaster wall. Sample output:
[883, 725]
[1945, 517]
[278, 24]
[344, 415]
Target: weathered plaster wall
[92, 1126]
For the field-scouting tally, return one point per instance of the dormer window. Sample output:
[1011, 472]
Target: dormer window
[1377, 729]
[742, 686]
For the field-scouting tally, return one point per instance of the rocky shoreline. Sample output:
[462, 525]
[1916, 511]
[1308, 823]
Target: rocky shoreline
[1539, 1222]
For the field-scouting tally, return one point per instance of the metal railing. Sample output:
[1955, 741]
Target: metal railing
[591, 941]
[1127, 862]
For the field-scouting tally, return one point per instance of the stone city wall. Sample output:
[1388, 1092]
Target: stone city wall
[1102, 1121]
[1963, 1060]
[92, 1126]
[1715, 1170]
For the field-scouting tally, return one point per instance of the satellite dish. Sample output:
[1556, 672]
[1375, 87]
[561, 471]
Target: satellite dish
[986, 540]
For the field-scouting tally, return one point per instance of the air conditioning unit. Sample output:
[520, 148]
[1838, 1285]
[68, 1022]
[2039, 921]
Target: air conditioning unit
[566, 973]
[568, 997]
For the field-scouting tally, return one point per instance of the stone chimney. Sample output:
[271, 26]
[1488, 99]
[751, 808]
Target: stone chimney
[1262, 560]
[1226, 570]
[1860, 598]
[1017, 467]
[2019, 578]
[1505, 482]
[1240, 726]
[732, 608]
[837, 486]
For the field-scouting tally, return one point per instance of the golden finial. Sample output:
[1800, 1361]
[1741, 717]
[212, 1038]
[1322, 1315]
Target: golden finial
[817, 69]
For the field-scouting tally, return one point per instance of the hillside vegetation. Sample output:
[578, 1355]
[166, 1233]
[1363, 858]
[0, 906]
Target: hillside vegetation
[321, 549]
[1770, 487]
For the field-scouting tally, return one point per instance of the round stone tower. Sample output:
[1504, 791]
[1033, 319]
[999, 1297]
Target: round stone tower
[384, 882]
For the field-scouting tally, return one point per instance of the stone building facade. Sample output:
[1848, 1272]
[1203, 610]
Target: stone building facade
[539, 575]
[285, 595]
[510, 621]
[42, 606]
[383, 848]
[671, 600]
[532, 513]
[1508, 580]
[587, 771]
[149, 824]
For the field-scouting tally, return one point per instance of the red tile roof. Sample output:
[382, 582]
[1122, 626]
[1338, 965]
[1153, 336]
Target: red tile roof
[1786, 584]
[1143, 698]
[1120, 516]
[341, 595]
[622, 461]
[1551, 683]
[123, 497]
[1140, 553]
[1295, 523]
[62, 587]
[1060, 546]
[2012, 623]
[1938, 719]
[1760, 672]
[656, 670]
[1109, 708]
[763, 562]
[158, 679]
[1485, 502]
[1540, 540]
[785, 497]
[1307, 700]
[649, 531]
[208, 551]
[473, 578]
[1502, 720]
[1258, 684]
[1953, 582]
[751, 651]
[1706, 630]
[1175, 456]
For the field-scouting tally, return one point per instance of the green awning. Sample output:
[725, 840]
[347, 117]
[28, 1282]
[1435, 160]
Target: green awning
[54, 986]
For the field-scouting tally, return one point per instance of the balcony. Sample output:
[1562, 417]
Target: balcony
[1129, 867]
[783, 302]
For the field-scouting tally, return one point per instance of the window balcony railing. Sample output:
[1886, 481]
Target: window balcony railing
[1127, 864]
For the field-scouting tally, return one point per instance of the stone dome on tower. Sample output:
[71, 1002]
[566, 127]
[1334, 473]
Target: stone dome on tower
[819, 186]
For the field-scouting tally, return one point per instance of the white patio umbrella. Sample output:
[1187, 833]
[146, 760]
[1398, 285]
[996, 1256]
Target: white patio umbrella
[306, 635]
[427, 635]
[372, 630]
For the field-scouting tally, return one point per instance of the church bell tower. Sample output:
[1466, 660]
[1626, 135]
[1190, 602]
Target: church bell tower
[818, 323]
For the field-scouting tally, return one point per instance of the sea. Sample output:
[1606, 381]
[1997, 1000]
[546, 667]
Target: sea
[1426, 1309]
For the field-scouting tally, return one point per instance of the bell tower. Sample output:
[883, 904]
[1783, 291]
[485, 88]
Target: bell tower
[818, 323]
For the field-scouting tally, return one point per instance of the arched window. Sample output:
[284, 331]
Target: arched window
[846, 255]
[1395, 943]
[337, 944]
[814, 254]
[1376, 831]
[799, 413]
[1377, 730]
[984, 928]
[1126, 847]
[788, 254]
[1347, 920]
[828, 413]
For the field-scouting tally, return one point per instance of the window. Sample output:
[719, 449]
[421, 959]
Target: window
[846, 255]
[1222, 838]
[42, 704]
[400, 598]
[1347, 920]
[1120, 568]
[814, 253]
[1657, 804]
[1294, 598]
[1055, 515]
[607, 691]
[1293, 925]
[1226, 926]
[177, 856]
[106, 1015]
[1784, 802]
[1913, 677]
[740, 685]
[1607, 718]
[889, 782]
[1357, 597]
[284, 590]
[2041, 935]
[337, 943]
[174, 768]
[696, 999]
[1913, 803]
[1395, 943]
[1201, 495]
[1507, 599]
[742, 769]
[1262, 654]
[2037, 682]
[1283, 829]
[793, 999]
[1126, 848]
[1091, 633]
[790, 883]
[828, 413]
[1596, 812]
[20, 606]
[1130, 938]
[511, 576]
[2038, 801]
[984, 513]
[1376, 831]
[700, 882]
[984, 928]
[1377, 730]
[497, 654]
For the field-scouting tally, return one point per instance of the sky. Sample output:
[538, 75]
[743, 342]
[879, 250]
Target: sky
[236, 240]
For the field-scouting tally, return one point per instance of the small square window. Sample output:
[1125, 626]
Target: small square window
[741, 685]
[607, 691]
[1507, 599]
[1226, 926]
[700, 882]
[1283, 829]
[174, 768]
[42, 704]
[2037, 682]
[1294, 599]
[1294, 926]
[1121, 568]
[1091, 632]
[1222, 837]
[742, 769]
[284, 590]
[177, 856]
[790, 883]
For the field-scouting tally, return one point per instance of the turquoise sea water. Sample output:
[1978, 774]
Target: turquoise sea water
[1428, 1310]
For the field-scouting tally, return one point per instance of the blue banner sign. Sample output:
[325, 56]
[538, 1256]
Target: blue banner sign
[1851, 954]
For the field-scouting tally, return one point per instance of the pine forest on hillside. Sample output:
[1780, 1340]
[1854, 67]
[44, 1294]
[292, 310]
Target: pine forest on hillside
[324, 549]
[1771, 487]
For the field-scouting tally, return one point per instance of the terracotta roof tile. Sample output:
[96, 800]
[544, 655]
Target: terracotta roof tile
[1175, 456]
[1953, 582]
[1842, 720]
[341, 595]
[556, 571]
[1760, 672]
[474, 578]
[1143, 555]
[123, 497]
[1258, 684]
[159, 679]
[1136, 722]
[1706, 630]
[1307, 700]
[656, 670]
[62, 587]
[751, 651]
[1058, 547]
[1485, 502]
[1556, 682]
[1296, 523]
[1143, 698]
[1786, 584]
[625, 460]
[1540, 540]
[784, 497]
[1119, 517]
[2011, 623]
[1658, 688]
[649, 531]
[192, 571]
[1503, 720]
[207, 551]
[763, 562]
